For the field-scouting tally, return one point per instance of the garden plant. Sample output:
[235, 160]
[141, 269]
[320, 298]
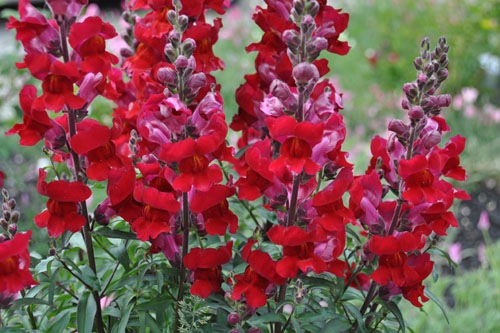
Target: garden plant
[164, 216]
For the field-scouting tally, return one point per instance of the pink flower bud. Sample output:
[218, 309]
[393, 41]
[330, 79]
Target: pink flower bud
[416, 113]
[444, 100]
[233, 319]
[305, 72]
[484, 221]
[167, 75]
[432, 139]
[181, 62]
[399, 127]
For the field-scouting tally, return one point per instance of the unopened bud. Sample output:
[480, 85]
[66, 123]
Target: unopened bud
[280, 89]
[5, 206]
[12, 229]
[14, 218]
[417, 63]
[167, 75]
[416, 113]
[196, 82]
[170, 52]
[431, 140]
[320, 44]
[411, 90]
[12, 203]
[188, 47]
[305, 72]
[298, 5]
[171, 17]
[405, 104]
[399, 127]
[181, 62]
[52, 251]
[444, 100]
[233, 319]
[6, 215]
[291, 38]
[312, 8]
[174, 37]
[126, 52]
[183, 22]
[5, 194]
[3, 223]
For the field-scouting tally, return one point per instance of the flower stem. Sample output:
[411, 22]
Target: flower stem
[185, 246]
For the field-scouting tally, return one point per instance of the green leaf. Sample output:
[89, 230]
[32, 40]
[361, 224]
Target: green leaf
[90, 278]
[393, 307]
[338, 324]
[438, 302]
[29, 301]
[242, 151]
[60, 322]
[125, 315]
[354, 311]
[160, 302]
[111, 233]
[319, 282]
[268, 318]
[85, 313]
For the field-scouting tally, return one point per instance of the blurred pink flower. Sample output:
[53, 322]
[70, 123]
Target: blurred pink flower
[455, 252]
[484, 221]
[106, 300]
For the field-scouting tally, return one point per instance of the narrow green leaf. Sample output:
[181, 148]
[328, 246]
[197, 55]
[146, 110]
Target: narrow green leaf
[85, 313]
[354, 311]
[90, 278]
[125, 315]
[156, 303]
[242, 151]
[60, 322]
[338, 324]
[29, 301]
[112, 233]
[269, 318]
[438, 302]
[393, 307]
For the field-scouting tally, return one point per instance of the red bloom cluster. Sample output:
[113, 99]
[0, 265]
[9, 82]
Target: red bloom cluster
[163, 156]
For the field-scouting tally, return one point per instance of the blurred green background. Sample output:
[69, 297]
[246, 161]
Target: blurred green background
[385, 37]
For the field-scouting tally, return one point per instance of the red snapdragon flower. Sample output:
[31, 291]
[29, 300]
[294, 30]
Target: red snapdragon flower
[36, 122]
[88, 40]
[205, 265]
[33, 30]
[214, 209]
[58, 81]
[15, 264]
[259, 275]
[420, 179]
[297, 143]
[395, 265]
[159, 203]
[298, 251]
[62, 211]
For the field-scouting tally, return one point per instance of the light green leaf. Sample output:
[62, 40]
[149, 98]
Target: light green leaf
[393, 307]
[85, 313]
[438, 302]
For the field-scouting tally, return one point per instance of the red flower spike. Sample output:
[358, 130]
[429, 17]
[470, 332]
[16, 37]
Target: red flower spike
[15, 264]
[205, 265]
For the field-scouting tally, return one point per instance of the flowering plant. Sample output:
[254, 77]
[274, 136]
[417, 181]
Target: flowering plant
[272, 234]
